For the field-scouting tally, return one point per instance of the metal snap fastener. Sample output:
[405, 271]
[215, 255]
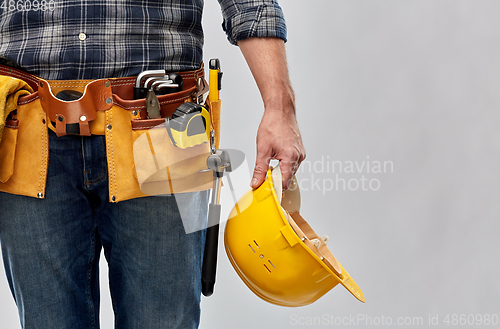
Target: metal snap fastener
[60, 118]
[107, 84]
[82, 36]
[83, 118]
[134, 112]
[108, 127]
[108, 100]
[41, 84]
[40, 195]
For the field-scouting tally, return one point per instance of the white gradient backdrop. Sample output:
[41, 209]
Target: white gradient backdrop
[413, 83]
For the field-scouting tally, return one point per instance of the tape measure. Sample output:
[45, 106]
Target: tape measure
[189, 125]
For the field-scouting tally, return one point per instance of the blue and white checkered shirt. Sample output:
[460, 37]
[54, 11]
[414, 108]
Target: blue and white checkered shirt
[92, 39]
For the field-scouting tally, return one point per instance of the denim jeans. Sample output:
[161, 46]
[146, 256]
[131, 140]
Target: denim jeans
[51, 248]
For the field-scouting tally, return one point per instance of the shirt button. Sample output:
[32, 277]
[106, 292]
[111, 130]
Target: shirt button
[82, 36]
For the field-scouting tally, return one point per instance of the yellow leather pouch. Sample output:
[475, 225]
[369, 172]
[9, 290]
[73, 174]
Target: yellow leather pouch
[24, 150]
[142, 160]
[215, 119]
[8, 149]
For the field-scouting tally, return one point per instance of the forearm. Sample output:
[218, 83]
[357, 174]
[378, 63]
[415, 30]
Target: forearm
[278, 136]
[266, 58]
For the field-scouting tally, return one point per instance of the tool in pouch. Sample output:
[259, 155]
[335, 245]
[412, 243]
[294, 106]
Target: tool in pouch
[170, 147]
[219, 162]
[189, 125]
[159, 81]
[151, 83]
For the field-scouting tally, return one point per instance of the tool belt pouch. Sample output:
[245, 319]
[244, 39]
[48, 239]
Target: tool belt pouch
[141, 157]
[8, 149]
[74, 117]
[24, 149]
[215, 119]
[163, 168]
[142, 160]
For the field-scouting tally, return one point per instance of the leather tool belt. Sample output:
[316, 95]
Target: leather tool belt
[106, 108]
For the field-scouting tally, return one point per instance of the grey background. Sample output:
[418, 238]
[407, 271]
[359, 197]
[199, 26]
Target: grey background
[411, 82]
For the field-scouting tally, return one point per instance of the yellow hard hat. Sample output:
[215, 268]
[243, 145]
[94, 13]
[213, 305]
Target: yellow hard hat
[275, 251]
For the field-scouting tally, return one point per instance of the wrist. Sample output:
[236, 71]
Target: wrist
[280, 100]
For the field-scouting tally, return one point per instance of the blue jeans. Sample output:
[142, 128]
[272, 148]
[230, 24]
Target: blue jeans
[51, 248]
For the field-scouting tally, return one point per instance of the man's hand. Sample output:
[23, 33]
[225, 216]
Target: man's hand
[278, 136]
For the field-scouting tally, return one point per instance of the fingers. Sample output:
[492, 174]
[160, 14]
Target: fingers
[261, 166]
[289, 162]
[278, 137]
[287, 173]
[289, 165]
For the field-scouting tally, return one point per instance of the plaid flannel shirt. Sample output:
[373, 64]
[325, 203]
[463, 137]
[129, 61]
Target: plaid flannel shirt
[92, 39]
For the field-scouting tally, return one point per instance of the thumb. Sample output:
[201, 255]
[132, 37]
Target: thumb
[260, 170]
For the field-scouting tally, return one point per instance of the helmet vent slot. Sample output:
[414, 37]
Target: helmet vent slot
[271, 263]
[267, 268]
[256, 245]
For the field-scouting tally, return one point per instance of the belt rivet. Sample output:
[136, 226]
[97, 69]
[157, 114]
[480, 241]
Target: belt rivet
[83, 118]
[107, 84]
[113, 198]
[134, 112]
[40, 195]
[60, 118]
[108, 100]
[108, 127]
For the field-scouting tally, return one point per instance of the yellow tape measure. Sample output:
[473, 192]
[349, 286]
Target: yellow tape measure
[189, 125]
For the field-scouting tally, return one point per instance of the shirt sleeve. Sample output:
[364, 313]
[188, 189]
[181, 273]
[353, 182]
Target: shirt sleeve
[252, 18]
